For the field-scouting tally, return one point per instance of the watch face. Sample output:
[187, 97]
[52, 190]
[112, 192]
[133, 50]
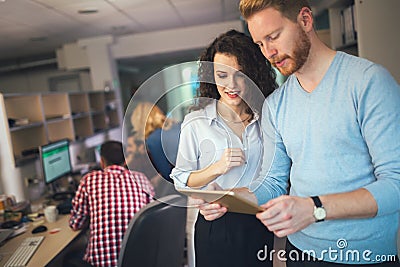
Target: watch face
[319, 213]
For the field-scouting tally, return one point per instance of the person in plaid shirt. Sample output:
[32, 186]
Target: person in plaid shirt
[107, 200]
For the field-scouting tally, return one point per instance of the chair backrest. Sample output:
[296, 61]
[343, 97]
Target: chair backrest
[156, 235]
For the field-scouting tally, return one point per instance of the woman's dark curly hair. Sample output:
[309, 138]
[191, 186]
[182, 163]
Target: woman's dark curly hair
[249, 57]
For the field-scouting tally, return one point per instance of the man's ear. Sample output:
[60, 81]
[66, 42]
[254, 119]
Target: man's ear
[305, 19]
[102, 163]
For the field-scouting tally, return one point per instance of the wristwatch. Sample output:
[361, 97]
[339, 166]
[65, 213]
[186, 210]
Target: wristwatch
[319, 210]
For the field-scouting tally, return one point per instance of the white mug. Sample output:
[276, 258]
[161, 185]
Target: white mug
[51, 213]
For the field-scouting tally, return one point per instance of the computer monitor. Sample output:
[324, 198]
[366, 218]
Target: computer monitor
[56, 160]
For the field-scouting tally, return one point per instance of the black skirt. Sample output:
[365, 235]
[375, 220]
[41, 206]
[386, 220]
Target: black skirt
[234, 240]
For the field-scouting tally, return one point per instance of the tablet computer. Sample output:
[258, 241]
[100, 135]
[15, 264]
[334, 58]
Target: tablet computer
[226, 198]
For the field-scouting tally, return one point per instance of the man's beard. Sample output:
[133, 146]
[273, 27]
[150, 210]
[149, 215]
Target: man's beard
[300, 55]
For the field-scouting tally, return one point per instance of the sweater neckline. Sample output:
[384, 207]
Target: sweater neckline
[326, 76]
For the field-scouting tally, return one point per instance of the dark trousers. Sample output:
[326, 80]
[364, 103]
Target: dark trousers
[234, 240]
[306, 261]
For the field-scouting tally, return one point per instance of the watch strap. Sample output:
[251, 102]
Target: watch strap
[317, 201]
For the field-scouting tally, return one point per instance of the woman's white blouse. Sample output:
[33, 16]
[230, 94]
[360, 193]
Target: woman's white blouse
[205, 136]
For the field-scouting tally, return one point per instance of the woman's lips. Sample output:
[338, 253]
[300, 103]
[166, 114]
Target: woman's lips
[232, 95]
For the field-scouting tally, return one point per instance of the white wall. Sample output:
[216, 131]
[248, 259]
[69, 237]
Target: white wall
[378, 34]
[152, 43]
[171, 40]
[34, 81]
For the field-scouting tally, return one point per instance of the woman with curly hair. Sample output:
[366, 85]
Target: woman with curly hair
[221, 147]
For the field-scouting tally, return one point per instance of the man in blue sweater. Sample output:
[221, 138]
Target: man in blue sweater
[334, 129]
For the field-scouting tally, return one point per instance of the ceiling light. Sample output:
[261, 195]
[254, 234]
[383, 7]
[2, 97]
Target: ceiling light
[38, 39]
[88, 10]
[118, 28]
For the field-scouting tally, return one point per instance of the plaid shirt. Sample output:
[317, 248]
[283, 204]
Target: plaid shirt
[108, 199]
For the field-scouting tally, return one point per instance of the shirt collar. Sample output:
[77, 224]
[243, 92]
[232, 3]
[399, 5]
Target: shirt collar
[114, 168]
[211, 112]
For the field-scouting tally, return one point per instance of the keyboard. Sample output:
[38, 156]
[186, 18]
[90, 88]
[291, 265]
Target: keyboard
[24, 252]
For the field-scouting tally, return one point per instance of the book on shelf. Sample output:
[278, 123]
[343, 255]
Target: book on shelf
[13, 122]
[348, 26]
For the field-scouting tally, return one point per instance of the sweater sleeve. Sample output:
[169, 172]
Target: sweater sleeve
[379, 119]
[273, 178]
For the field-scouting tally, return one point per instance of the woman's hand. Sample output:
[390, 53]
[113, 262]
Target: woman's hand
[208, 210]
[232, 157]
[212, 211]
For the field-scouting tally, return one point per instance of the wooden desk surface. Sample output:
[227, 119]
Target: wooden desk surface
[51, 245]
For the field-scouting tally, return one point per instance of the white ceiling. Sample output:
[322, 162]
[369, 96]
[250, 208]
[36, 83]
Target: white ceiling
[35, 27]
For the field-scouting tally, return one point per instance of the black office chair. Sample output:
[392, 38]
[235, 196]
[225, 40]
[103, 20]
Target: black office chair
[156, 235]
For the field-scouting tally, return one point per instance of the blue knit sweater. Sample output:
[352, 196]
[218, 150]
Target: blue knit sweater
[342, 136]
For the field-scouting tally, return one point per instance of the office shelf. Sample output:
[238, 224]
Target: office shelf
[99, 122]
[56, 106]
[38, 119]
[28, 139]
[79, 102]
[60, 129]
[26, 108]
[96, 100]
[83, 126]
[26, 126]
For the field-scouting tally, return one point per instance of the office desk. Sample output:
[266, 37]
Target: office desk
[50, 247]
